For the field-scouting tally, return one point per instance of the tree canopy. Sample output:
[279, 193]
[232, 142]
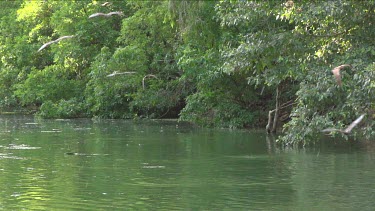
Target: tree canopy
[223, 63]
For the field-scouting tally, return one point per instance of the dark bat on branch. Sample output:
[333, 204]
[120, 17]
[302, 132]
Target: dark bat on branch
[55, 41]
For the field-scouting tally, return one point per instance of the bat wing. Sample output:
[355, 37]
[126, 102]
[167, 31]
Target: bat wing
[353, 124]
[344, 65]
[45, 45]
[119, 73]
[65, 37]
[336, 73]
[331, 130]
[115, 13]
[54, 41]
[112, 74]
[96, 15]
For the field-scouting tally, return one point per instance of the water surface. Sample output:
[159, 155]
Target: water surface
[167, 165]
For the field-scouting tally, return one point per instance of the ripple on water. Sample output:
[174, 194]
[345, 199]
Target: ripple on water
[153, 167]
[9, 156]
[20, 146]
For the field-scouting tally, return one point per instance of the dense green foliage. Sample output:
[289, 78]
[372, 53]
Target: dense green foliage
[216, 63]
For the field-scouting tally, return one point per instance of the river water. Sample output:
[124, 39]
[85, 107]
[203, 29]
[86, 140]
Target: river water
[167, 165]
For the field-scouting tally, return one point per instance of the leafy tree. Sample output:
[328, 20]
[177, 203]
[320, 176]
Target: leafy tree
[228, 63]
[248, 64]
[147, 48]
[15, 52]
[216, 99]
[334, 33]
[63, 67]
[110, 97]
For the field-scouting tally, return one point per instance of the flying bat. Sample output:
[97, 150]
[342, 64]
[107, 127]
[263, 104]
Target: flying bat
[106, 4]
[54, 41]
[336, 72]
[349, 128]
[119, 73]
[106, 15]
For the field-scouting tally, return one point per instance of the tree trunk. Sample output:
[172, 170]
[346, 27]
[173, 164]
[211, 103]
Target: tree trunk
[276, 117]
[268, 127]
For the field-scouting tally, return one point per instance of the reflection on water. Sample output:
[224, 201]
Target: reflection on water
[152, 165]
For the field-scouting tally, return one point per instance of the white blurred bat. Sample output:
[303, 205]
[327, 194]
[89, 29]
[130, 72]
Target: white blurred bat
[336, 72]
[55, 41]
[106, 15]
[119, 73]
[348, 129]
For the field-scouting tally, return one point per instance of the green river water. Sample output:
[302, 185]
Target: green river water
[167, 165]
